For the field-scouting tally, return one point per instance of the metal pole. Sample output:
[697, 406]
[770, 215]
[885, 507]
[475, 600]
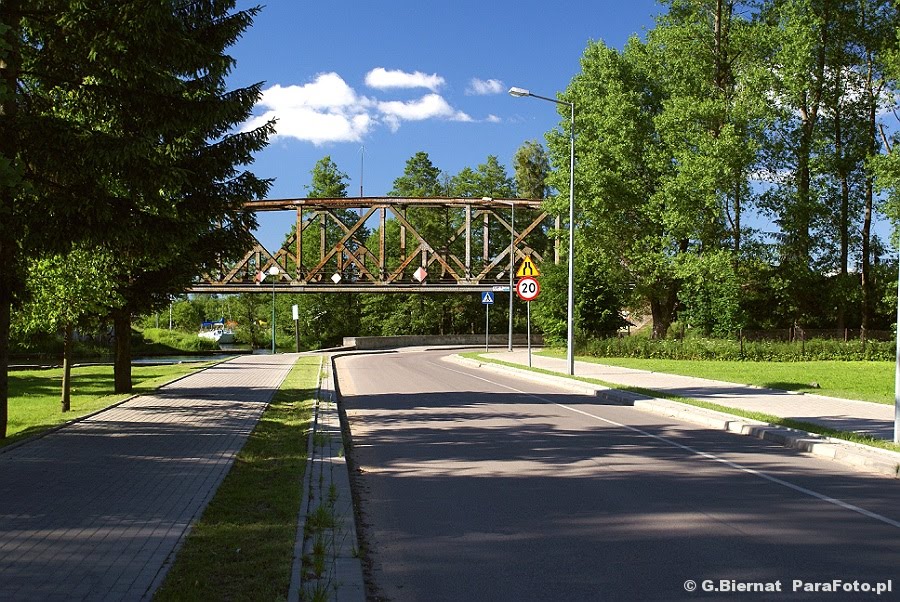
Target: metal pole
[273, 315]
[897, 372]
[528, 305]
[362, 153]
[512, 267]
[570, 311]
[487, 322]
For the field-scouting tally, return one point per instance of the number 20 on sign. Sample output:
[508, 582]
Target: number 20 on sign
[528, 289]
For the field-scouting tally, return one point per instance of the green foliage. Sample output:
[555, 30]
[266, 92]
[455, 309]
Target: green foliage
[327, 180]
[420, 178]
[67, 291]
[678, 138]
[710, 293]
[531, 166]
[599, 298]
[119, 119]
[626, 212]
[186, 316]
[488, 180]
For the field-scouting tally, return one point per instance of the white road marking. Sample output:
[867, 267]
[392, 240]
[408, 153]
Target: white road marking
[703, 454]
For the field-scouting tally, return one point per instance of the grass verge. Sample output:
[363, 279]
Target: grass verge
[862, 380]
[768, 418]
[34, 394]
[242, 547]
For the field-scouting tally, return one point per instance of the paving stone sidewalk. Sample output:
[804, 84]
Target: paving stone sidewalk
[96, 510]
[873, 419]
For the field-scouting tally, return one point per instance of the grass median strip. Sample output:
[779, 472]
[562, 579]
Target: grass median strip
[242, 547]
[768, 418]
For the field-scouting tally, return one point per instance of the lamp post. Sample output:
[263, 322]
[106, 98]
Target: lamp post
[512, 268]
[273, 272]
[897, 374]
[570, 309]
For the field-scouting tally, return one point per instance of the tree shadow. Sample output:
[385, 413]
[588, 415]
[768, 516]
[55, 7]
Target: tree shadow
[470, 494]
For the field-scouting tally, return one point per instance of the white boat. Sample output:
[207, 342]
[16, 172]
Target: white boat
[219, 332]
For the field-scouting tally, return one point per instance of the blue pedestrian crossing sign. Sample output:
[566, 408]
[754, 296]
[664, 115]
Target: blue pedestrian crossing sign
[487, 298]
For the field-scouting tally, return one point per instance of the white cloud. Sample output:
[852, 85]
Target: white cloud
[324, 110]
[492, 119]
[327, 90]
[427, 107]
[430, 106]
[383, 79]
[327, 110]
[482, 87]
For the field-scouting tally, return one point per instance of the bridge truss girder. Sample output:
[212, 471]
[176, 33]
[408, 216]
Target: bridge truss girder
[446, 256]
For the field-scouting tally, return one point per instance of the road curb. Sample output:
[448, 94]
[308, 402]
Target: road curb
[327, 495]
[871, 459]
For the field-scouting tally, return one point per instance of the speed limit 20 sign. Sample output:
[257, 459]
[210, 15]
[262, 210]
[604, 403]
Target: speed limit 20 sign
[528, 289]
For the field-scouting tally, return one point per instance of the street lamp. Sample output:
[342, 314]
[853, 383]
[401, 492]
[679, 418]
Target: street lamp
[897, 374]
[273, 272]
[570, 309]
[512, 266]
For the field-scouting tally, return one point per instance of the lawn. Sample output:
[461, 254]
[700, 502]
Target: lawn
[34, 394]
[242, 547]
[866, 381]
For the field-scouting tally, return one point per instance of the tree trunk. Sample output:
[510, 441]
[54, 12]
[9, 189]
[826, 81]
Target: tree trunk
[801, 219]
[844, 213]
[845, 196]
[661, 313]
[66, 399]
[866, 276]
[737, 218]
[5, 311]
[662, 309]
[10, 12]
[805, 204]
[122, 365]
[868, 305]
[662, 305]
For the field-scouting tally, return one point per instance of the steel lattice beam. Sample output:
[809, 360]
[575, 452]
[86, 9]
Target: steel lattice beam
[329, 239]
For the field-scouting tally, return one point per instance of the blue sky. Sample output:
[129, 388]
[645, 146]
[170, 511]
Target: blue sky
[372, 83]
[398, 76]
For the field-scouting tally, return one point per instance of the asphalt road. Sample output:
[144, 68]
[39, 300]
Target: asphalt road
[474, 486]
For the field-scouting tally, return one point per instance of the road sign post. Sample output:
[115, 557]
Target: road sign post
[528, 305]
[528, 289]
[487, 299]
[295, 311]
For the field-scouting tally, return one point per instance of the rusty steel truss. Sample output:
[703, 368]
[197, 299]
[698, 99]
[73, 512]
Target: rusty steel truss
[378, 244]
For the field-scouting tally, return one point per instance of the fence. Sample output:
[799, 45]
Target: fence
[799, 335]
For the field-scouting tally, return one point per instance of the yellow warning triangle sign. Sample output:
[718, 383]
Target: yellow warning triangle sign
[527, 268]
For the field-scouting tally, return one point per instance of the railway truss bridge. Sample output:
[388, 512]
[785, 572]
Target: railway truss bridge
[391, 244]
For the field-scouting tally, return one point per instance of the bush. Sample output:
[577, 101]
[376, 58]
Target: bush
[730, 350]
